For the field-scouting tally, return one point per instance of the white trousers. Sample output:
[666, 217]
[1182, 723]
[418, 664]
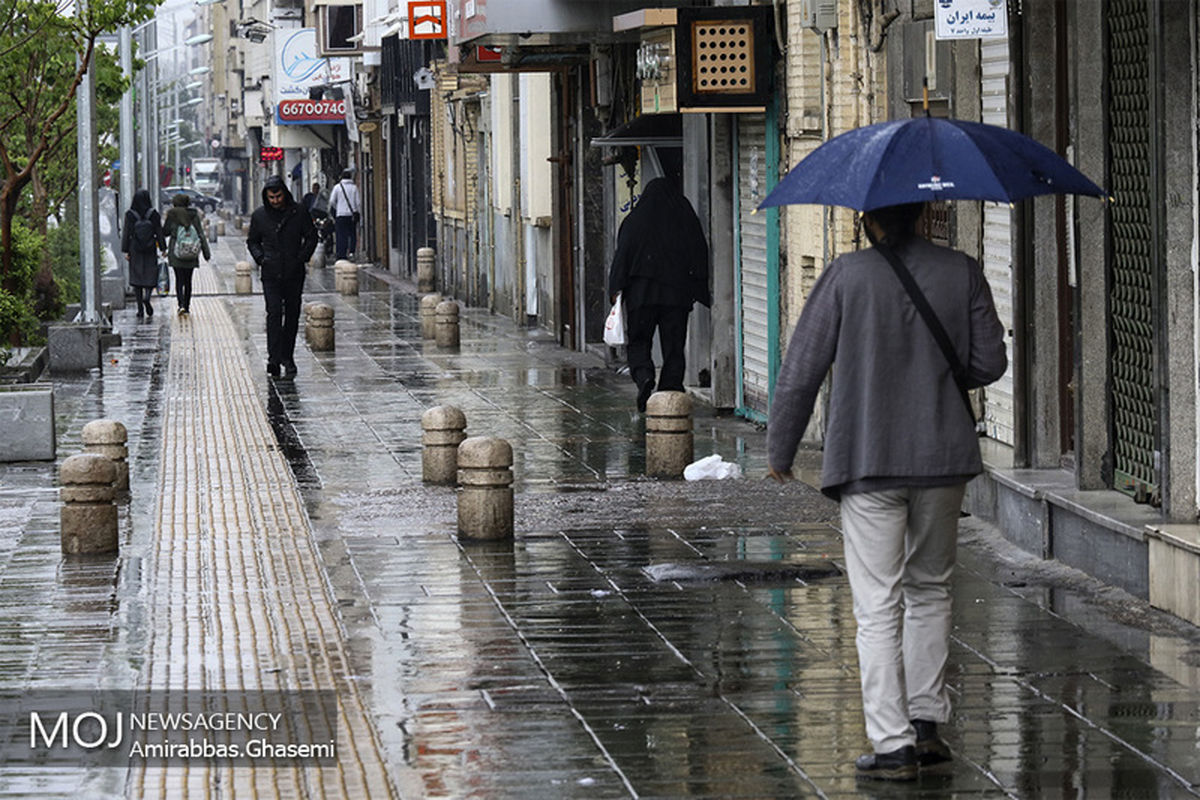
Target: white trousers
[900, 552]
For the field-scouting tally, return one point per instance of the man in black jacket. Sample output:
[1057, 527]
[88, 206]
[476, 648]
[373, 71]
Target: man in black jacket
[281, 240]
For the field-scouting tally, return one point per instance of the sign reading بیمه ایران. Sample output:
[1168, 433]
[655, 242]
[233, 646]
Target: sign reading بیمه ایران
[298, 69]
[970, 19]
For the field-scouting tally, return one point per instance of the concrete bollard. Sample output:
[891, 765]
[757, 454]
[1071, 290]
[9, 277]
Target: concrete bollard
[220, 227]
[485, 501]
[441, 433]
[429, 304]
[426, 256]
[107, 437]
[668, 434]
[242, 282]
[345, 278]
[318, 326]
[89, 516]
[446, 324]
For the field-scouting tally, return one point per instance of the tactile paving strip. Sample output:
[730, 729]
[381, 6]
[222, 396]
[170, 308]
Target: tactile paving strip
[238, 599]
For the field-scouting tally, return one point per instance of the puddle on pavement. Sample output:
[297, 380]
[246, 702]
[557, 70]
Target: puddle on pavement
[278, 395]
[746, 571]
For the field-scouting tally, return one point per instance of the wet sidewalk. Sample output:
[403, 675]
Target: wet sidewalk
[278, 535]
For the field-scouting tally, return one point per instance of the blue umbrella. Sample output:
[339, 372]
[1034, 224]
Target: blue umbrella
[925, 159]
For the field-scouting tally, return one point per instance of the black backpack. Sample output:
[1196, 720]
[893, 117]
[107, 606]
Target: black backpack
[143, 232]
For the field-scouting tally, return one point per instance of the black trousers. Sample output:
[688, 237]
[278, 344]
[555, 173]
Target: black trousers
[183, 286]
[283, 317]
[347, 233]
[144, 293]
[671, 324]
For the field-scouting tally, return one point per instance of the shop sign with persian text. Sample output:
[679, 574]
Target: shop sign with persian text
[970, 19]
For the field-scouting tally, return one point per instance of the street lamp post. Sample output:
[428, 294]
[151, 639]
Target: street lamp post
[89, 214]
[149, 112]
[149, 105]
[128, 140]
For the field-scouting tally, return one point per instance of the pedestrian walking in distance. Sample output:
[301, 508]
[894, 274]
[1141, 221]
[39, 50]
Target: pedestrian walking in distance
[660, 268]
[345, 208]
[310, 198]
[900, 446]
[141, 241]
[281, 240]
[186, 242]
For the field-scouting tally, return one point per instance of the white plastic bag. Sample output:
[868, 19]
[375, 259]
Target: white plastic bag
[711, 468]
[614, 326]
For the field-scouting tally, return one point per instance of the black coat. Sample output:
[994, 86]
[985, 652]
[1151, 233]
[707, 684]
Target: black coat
[662, 255]
[281, 240]
[143, 264]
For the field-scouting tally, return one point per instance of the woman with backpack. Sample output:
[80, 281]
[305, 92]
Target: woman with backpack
[141, 239]
[187, 242]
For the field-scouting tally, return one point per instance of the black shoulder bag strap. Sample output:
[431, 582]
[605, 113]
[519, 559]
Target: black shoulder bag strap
[346, 197]
[935, 325]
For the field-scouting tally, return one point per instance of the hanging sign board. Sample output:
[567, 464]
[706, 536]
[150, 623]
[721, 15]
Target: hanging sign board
[970, 19]
[298, 70]
[427, 19]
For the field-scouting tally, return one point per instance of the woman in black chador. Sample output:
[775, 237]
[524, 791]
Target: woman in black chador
[141, 239]
[660, 268]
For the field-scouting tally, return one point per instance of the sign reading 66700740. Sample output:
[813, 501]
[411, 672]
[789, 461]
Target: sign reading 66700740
[308, 112]
[299, 70]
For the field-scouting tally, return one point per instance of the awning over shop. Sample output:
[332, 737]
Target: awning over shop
[658, 130]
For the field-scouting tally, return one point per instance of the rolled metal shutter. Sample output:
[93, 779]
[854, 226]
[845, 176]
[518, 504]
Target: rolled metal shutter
[1135, 255]
[754, 296]
[997, 243]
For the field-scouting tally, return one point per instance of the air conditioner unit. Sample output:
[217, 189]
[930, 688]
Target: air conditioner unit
[819, 15]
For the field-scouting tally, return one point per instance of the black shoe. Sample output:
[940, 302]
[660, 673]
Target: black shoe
[289, 369]
[272, 369]
[898, 765]
[149, 310]
[933, 754]
[644, 392]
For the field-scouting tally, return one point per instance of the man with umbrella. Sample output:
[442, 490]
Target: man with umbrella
[899, 449]
[907, 327]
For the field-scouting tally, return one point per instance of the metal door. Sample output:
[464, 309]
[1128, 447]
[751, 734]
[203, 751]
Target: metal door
[1136, 254]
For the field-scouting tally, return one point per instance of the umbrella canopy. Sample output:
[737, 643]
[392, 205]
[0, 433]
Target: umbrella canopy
[925, 159]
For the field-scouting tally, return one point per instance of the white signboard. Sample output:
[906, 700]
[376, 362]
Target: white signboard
[297, 70]
[970, 19]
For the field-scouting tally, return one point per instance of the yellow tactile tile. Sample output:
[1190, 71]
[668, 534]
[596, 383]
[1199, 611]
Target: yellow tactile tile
[239, 600]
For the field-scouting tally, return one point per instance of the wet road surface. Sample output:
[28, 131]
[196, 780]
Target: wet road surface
[598, 654]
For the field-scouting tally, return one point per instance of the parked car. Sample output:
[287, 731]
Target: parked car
[204, 202]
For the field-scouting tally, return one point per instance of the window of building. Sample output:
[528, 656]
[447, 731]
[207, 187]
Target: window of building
[341, 29]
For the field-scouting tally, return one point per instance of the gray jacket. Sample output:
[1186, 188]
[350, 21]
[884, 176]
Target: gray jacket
[895, 415]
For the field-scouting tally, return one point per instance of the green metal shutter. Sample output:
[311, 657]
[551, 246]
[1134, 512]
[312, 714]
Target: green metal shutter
[1135, 253]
